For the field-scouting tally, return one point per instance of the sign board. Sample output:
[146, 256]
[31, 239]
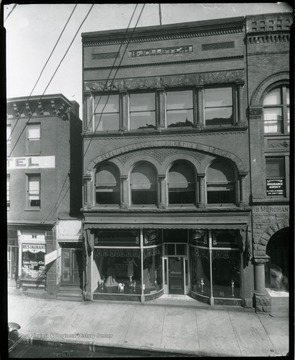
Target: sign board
[275, 187]
[31, 162]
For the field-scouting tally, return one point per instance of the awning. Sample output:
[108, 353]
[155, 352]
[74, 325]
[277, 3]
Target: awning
[167, 226]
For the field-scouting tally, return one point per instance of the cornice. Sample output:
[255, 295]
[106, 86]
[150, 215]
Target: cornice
[168, 81]
[165, 63]
[261, 38]
[87, 43]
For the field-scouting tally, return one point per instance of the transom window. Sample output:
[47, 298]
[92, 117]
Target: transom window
[107, 182]
[221, 183]
[219, 106]
[179, 108]
[142, 111]
[181, 184]
[143, 184]
[276, 110]
[34, 195]
[106, 112]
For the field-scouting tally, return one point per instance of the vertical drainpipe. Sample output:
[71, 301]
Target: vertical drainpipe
[141, 264]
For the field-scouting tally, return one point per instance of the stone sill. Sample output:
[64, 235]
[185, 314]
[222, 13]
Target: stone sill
[273, 293]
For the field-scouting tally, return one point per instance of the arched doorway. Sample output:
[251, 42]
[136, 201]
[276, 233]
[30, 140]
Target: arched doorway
[277, 269]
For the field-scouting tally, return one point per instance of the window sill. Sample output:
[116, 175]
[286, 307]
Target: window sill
[32, 209]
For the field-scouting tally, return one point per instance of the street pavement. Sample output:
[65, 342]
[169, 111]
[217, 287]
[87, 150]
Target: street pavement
[171, 325]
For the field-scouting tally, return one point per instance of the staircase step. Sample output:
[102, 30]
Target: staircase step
[69, 298]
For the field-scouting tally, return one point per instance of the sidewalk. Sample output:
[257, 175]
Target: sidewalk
[155, 326]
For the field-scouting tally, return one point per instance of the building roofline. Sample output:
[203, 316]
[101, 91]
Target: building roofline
[41, 97]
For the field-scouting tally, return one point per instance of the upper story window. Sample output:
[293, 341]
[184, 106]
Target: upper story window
[181, 184]
[179, 108]
[142, 109]
[34, 193]
[106, 112]
[143, 184]
[276, 111]
[8, 191]
[218, 106]
[33, 138]
[107, 184]
[221, 183]
[275, 176]
[8, 132]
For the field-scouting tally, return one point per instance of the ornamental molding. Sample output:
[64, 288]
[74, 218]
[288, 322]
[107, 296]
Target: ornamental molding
[168, 143]
[162, 38]
[267, 38]
[169, 81]
[255, 111]
[256, 98]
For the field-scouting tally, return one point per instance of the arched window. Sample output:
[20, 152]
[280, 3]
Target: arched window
[107, 184]
[181, 184]
[221, 183]
[276, 110]
[143, 184]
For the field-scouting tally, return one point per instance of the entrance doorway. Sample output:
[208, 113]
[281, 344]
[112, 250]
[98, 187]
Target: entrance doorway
[72, 266]
[176, 275]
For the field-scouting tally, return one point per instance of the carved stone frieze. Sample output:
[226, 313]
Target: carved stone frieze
[278, 144]
[216, 77]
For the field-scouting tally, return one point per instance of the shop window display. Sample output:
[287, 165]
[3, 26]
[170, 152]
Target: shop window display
[117, 271]
[152, 270]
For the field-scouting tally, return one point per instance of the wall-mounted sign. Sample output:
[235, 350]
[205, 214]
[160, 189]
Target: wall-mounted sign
[275, 187]
[33, 267]
[31, 162]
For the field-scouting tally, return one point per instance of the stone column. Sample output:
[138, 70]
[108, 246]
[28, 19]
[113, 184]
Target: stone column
[88, 239]
[163, 192]
[124, 110]
[124, 192]
[199, 107]
[242, 201]
[201, 203]
[161, 108]
[261, 297]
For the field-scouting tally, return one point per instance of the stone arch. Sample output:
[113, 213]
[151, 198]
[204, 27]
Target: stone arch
[136, 159]
[256, 98]
[168, 143]
[269, 232]
[181, 157]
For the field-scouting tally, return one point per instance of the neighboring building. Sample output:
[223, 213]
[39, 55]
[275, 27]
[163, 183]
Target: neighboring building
[169, 204]
[268, 67]
[44, 157]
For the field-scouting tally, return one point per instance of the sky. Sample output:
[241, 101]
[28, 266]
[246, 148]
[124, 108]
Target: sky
[32, 31]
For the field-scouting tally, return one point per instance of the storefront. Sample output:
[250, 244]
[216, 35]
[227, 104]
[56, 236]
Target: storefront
[32, 250]
[141, 263]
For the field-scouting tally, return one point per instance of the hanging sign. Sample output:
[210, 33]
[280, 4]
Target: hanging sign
[52, 256]
[275, 187]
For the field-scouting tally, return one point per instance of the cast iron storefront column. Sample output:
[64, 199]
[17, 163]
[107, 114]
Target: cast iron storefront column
[201, 203]
[163, 195]
[124, 192]
[261, 297]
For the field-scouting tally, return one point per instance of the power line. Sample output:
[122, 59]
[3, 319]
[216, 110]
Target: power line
[57, 204]
[14, 6]
[114, 78]
[54, 74]
[56, 43]
[112, 68]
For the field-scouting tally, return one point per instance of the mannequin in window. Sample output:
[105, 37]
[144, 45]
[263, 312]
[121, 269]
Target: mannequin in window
[111, 281]
[130, 268]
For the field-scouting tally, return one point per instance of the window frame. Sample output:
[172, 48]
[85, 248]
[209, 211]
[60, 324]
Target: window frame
[154, 111]
[234, 105]
[284, 106]
[29, 177]
[30, 141]
[217, 183]
[100, 114]
[115, 189]
[192, 108]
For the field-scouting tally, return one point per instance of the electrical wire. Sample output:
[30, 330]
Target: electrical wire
[53, 75]
[57, 205]
[52, 51]
[118, 67]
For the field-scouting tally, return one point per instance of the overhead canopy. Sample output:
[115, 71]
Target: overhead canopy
[166, 226]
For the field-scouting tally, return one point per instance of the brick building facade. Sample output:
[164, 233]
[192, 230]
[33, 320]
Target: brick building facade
[43, 189]
[174, 200]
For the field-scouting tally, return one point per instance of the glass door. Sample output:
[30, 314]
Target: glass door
[71, 266]
[176, 275]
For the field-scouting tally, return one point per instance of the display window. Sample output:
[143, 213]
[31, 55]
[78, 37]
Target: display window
[33, 265]
[152, 270]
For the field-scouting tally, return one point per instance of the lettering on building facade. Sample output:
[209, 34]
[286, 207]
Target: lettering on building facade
[31, 162]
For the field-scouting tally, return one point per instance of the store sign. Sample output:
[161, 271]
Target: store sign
[275, 187]
[31, 162]
[33, 266]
